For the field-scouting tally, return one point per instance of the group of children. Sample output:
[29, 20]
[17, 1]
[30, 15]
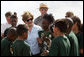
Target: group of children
[13, 44]
[61, 37]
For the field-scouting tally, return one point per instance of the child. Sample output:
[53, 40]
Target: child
[7, 42]
[14, 19]
[77, 30]
[21, 48]
[72, 38]
[60, 45]
[45, 35]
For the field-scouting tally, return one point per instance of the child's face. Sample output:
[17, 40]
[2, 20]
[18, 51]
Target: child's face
[45, 24]
[25, 35]
[12, 37]
[56, 31]
[14, 22]
[74, 27]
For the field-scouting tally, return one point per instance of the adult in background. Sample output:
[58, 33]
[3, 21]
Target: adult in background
[69, 14]
[43, 10]
[6, 25]
[13, 20]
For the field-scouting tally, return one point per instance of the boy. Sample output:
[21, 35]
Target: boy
[21, 48]
[7, 41]
[60, 45]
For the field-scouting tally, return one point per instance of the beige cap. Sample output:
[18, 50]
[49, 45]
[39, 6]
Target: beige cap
[43, 5]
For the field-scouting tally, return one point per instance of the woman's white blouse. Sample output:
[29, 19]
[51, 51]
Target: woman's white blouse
[32, 39]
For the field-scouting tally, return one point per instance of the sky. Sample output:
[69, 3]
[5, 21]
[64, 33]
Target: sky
[56, 8]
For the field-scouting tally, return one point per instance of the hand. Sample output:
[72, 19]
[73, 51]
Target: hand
[2, 35]
[81, 50]
[39, 40]
[45, 53]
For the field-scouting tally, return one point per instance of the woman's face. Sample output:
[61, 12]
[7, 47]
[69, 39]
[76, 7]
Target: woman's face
[29, 21]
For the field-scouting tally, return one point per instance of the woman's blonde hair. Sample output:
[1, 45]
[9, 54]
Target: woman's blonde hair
[26, 15]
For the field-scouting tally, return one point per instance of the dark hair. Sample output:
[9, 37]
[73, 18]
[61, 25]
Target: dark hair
[69, 23]
[8, 14]
[14, 15]
[6, 32]
[49, 18]
[77, 19]
[22, 28]
[12, 30]
[51, 28]
[61, 24]
[82, 28]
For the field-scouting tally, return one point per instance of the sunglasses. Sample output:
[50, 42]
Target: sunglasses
[43, 8]
[29, 20]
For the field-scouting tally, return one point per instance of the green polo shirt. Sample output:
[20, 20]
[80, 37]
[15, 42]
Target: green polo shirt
[60, 46]
[80, 39]
[5, 47]
[21, 48]
[74, 50]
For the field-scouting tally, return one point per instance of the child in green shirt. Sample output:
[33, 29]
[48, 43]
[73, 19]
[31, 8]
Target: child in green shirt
[72, 38]
[45, 35]
[20, 47]
[60, 45]
[77, 30]
[7, 42]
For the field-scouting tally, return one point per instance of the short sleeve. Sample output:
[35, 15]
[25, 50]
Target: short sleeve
[53, 49]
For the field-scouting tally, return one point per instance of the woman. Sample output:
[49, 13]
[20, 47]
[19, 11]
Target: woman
[27, 17]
